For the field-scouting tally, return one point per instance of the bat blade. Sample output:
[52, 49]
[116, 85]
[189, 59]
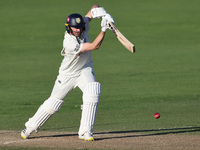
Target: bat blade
[123, 40]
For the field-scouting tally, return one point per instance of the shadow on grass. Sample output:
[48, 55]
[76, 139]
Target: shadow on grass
[121, 134]
[151, 132]
[59, 135]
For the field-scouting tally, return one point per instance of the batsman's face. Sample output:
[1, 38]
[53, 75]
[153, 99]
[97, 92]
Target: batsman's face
[77, 31]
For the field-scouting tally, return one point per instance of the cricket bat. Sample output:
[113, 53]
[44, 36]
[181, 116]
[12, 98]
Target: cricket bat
[127, 44]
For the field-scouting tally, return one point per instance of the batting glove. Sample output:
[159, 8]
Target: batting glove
[98, 12]
[109, 18]
[104, 24]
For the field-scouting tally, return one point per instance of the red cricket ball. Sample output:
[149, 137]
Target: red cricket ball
[156, 115]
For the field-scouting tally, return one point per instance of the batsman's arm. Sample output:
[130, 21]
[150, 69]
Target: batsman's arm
[95, 44]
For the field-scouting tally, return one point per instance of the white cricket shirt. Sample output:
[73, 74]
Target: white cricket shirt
[74, 61]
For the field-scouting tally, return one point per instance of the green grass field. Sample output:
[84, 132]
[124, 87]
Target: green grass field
[162, 76]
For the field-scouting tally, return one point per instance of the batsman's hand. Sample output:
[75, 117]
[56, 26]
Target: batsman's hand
[104, 24]
[109, 18]
[98, 12]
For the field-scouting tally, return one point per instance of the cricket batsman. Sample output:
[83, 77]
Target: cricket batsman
[75, 71]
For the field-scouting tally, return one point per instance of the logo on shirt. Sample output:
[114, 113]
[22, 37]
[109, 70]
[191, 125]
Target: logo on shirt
[78, 20]
[77, 47]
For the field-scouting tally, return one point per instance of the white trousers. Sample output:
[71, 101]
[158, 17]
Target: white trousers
[64, 85]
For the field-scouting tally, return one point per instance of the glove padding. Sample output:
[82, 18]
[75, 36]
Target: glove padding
[104, 23]
[98, 12]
